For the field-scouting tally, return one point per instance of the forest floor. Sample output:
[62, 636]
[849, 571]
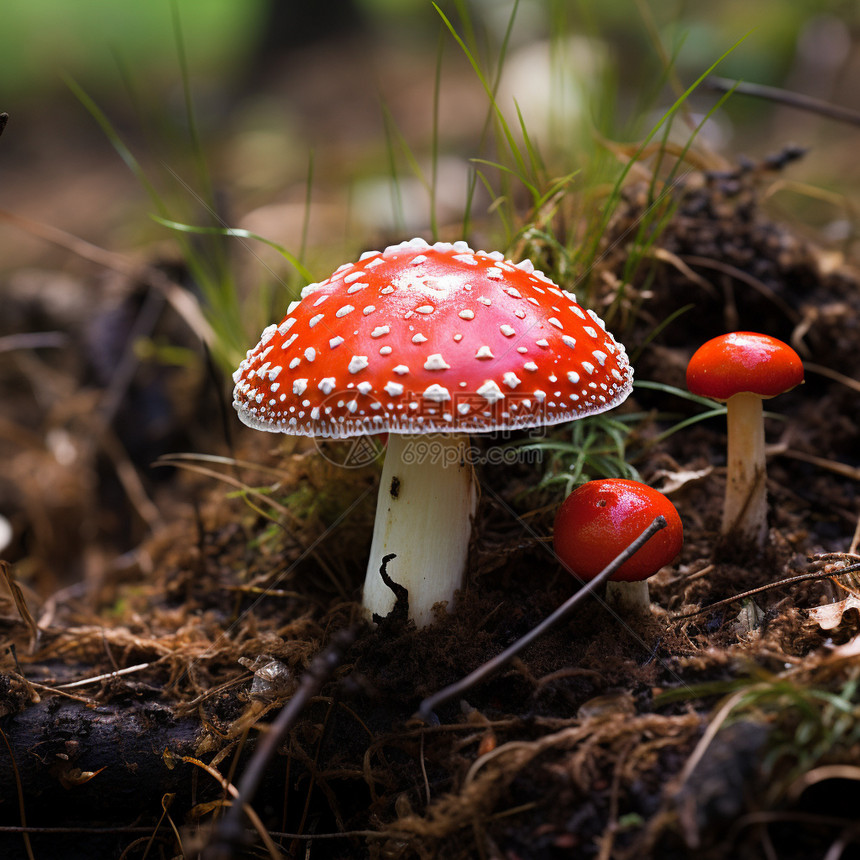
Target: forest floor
[135, 684]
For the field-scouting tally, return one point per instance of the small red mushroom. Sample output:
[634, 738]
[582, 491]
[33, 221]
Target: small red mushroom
[428, 339]
[742, 369]
[599, 519]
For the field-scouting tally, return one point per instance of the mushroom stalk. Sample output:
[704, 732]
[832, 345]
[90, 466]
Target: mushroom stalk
[745, 505]
[629, 598]
[424, 516]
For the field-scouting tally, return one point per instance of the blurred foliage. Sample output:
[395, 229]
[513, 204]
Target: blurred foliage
[45, 39]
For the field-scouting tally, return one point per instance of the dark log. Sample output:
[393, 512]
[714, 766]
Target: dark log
[86, 767]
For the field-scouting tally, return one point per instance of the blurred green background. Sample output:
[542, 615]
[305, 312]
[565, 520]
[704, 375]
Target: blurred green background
[368, 108]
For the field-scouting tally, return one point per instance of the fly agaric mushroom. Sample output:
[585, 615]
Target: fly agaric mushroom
[599, 519]
[428, 339]
[742, 369]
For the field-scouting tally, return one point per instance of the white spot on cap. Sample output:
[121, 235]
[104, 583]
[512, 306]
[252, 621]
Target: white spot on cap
[310, 353]
[540, 396]
[335, 341]
[295, 363]
[507, 331]
[590, 331]
[569, 341]
[436, 362]
[491, 392]
[484, 352]
[342, 312]
[417, 261]
[401, 370]
[365, 387]
[530, 365]
[466, 314]
[393, 389]
[437, 393]
[375, 262]
[484, 300]
[299, 386]
[369, 310]
[352, 276]
[418, 338]
[292, 306]
[597, 319]
[357, 363]
[554, 321]
[327, 384]
[600, 356]
[314, 320]
[286, 325]
[380, 330]
[468, 259]
[515, 293]
[573, 377]
[385, 350]
[588, 367]
[543, 343]
[525, 265]
[511, 379]
[424, 309]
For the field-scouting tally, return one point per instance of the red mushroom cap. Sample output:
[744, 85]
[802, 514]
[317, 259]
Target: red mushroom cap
[601, 518]
[743, 361]
[422, 338]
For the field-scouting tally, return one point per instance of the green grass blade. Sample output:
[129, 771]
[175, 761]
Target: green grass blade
[115, 141]
[500, 118]
[237, 233]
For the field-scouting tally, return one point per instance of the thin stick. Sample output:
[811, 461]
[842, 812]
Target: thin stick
[785, 97]
[83, 682]
[230, 833]
[426, 708]
[803, 577]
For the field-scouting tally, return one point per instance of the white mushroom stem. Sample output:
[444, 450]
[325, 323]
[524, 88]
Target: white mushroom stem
[629, 598]
[745, 505]
[424, 516]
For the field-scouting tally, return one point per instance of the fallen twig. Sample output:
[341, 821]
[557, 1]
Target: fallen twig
[829, 572]
[230, 832]
[785, 97]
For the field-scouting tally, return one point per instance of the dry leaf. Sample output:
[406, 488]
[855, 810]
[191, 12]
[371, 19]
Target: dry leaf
[830, 615]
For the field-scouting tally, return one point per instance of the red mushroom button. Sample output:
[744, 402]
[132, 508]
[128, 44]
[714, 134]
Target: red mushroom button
[421, 339]
[600, 519]
[742, 369]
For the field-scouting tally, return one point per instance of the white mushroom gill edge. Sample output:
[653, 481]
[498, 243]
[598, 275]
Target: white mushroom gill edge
[424, 513]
